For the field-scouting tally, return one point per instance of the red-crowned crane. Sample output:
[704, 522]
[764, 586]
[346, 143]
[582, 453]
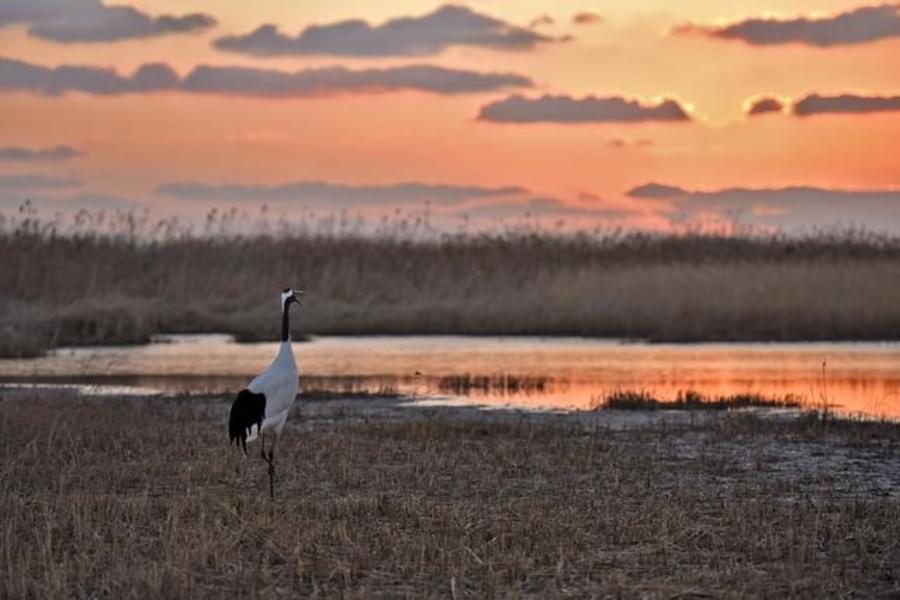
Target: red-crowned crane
[262, 407]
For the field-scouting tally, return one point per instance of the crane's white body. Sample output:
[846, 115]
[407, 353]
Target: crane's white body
[262, 407]
[279, 384]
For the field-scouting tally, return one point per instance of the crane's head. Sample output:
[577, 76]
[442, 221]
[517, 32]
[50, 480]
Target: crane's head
[290, 295]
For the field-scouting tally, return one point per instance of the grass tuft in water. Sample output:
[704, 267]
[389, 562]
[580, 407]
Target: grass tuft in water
[346, 388]
[383, 391]
[468, 384]
[693, 400]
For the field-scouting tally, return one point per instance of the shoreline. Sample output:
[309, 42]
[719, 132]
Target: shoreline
[311, 337]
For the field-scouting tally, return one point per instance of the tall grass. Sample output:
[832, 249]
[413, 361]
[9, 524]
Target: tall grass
[95, 282]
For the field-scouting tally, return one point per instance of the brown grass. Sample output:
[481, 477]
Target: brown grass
[87, 288]
[121, 499]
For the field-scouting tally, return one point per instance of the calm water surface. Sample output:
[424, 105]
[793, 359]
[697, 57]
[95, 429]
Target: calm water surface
[571, 373]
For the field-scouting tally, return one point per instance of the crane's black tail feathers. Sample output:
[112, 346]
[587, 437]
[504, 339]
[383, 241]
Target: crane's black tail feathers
[249, 409]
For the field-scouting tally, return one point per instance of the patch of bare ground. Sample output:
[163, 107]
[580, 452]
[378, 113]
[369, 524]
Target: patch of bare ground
[144, 498]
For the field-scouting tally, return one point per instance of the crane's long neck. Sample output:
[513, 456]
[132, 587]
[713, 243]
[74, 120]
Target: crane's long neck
[286, 321]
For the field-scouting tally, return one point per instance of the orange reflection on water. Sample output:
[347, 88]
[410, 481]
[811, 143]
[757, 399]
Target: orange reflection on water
[853, 396]
[858, 377]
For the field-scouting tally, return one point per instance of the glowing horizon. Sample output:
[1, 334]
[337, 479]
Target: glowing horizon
[454, 101]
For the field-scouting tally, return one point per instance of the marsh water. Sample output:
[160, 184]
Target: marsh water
[557, 373]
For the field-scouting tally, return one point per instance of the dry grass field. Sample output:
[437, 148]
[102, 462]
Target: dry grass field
[79, 286]
[127, 498]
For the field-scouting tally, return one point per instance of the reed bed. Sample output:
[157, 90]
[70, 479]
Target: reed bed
[89, 285]
[438, 506]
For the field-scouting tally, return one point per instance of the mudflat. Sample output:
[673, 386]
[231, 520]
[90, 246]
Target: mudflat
[377, 497]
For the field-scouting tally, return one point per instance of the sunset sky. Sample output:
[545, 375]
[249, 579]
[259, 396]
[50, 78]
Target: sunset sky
[606, 113]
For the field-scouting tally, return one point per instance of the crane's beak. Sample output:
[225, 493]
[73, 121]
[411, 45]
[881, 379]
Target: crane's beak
[298, 297]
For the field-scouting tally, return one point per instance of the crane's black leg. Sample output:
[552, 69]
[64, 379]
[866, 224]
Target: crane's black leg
[269, 458]
[271, 461]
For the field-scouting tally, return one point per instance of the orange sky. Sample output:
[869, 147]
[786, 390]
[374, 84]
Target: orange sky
[134, 142]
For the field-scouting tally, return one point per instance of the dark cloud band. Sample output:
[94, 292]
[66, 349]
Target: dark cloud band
[764, 105]
[788, 207]
[814, 104]
[19, 154]
[448, 26]
[72, 21]
[34, 181]
[817, 104]
[248, 81]
[587, 18]
[565, 109]
[858, 26]
[465, 201]
[317, 193]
